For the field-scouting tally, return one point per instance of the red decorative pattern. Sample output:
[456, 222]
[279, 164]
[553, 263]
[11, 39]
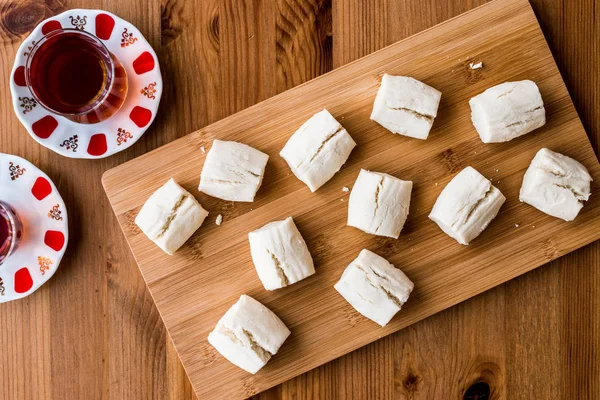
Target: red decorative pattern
[23, 280]
[55, 240]
[144, 63]
[15, 171]
[104, 26]
[149, 91]
[127, 38]
[140, 116]
[41, 188]
[122, 136]
[55, 213]
[51, 26]
[44, 263]
[97, 145]
[27, 103]
[19, 76]
[71, 143]
[44, 127]
[78, 22]
[29, 48]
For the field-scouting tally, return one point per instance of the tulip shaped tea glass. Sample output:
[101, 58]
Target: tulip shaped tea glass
[71, 73]
[11, 231]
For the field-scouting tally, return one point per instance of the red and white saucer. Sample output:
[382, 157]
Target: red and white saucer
[120, 131]
[45, 227]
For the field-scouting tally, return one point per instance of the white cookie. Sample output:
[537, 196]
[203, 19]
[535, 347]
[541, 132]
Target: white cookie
[232, 171]
[170, 216]
[507, 111]
[280, 254]
[318, 149]
[379, 203]
[249, 334]
[556, 184]
[406, 106]
[466, 205]
[374, 287]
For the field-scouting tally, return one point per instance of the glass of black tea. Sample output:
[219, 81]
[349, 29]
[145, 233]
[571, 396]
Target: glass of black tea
[72, 73]
[11, 231]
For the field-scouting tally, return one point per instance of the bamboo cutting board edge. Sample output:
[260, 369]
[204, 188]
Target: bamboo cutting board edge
[190, 140]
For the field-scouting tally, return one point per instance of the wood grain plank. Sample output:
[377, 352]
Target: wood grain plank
[571, 32]
[25, 339]
[247, 70]
[304, 41]
[188, 303]
[96, 320]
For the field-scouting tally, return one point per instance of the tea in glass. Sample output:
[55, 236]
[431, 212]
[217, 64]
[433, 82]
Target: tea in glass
[71, 73]
[11, 231]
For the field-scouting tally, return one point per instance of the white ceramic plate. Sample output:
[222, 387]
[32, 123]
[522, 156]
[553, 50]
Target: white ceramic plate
[45, 227]
[120, 131]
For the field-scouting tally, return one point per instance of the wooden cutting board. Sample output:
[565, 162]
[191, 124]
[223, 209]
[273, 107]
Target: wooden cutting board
[194, 288]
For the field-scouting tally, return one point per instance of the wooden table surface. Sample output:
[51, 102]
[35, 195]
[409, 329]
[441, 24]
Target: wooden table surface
[93, 332]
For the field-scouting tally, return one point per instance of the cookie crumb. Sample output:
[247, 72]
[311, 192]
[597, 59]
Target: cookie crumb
[202, 149]
[476, 65]
[345, 189]
[516, 225]
[219, 219]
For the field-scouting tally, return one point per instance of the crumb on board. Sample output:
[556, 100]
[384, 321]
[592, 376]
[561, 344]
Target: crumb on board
[497, 170]
[202, 149]
[476, 65]
[436, 184]
[516, 225]
[341, 199]
[219, 219]
[345, 189]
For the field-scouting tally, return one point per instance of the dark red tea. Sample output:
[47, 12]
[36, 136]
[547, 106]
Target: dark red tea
[68, 73]
[10, 231]
[4, 232]
[72, 73]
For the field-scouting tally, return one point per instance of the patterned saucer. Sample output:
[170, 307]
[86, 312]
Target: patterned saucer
[45, 227]
[120, 131]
